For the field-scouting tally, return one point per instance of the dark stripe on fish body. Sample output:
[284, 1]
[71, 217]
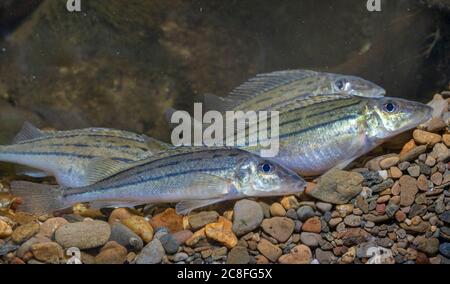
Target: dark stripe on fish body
[78, 135]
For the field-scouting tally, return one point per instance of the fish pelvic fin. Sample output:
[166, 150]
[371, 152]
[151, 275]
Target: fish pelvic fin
[27, 132]
[38, 198]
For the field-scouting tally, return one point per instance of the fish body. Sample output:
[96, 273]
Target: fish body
[194, 177]
[325, 120]
[66, 154]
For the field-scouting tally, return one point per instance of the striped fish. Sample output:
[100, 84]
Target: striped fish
[193, 177]
[325, 120]
[66, 154]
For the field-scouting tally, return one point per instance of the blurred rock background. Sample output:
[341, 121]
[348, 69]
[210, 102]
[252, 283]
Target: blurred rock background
[122, 63]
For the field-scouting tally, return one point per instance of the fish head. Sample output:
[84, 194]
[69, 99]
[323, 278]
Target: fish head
[392, 116]
[353, 85]
[261, 177]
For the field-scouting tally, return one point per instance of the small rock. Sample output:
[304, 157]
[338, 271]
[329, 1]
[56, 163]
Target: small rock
[289, 202]
[389, 162]
[305, 212]
[353, 236]
[325, 257]
[280, 228]
[436, 178]
[169, 243]
[445, 217]
[412, 154]
[199, 220]
[323, 207]
[168, 219]
[181, 256]
[424, 137]
[5, 230]
[182, 236]
[125, 237]
[49, 227]
[310, 239]
[352, 221]
[269, 250]
[312, 225]
[422, 183]
[429, 246]
[414, 171]
[408, 190]
[111, 253]
[222, 232]
[196, 237]
[440, 152]
[83, 235]
[248, 215]
[446, 139]
[335, 221]
[338, 187]
[140, 226]
[25, 232]
[152, 253]
[395, 172]
[238, 255]
[277, 210]
[49, 252]
[119, 214]
[444, 249]
[300, 254]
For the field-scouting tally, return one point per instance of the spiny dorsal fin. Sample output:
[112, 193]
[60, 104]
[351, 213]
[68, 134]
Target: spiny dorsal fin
[261, 83]
[28, 132]
[100, 168]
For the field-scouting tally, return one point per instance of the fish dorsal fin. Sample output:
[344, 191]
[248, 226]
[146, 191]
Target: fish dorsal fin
[261, 83]
[100, 168]
[28, 132]
[156, 145]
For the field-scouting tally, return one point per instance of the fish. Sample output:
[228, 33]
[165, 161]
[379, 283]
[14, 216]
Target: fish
[192, 177]
[325, 120]
[66, 154]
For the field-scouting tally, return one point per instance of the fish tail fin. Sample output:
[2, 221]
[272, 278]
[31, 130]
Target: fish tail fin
[38, 198]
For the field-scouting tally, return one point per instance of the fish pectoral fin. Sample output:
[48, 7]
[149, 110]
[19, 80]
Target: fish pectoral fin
[185, 207]
[31, 172]
[101, 168]
[27, 132]
[98, 204]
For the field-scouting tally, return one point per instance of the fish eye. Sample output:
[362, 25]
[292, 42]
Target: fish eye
[390, 107]
[266, 167]
[342, 84]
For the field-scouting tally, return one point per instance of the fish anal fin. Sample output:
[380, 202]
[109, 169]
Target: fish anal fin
[98, 204]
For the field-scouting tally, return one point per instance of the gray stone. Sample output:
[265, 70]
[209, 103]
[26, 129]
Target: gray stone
[305, 212]
[125, 237]
[248, 215]
[310, 239]
[152, 253]
[169, 243]
[83, 235]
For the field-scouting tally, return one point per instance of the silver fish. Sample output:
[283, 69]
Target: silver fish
[325, 120]
[66, 154]
[193, 177]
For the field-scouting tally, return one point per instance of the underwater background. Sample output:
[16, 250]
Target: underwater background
[121, 64]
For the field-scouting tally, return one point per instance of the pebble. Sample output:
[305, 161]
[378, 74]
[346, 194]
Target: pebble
[424, 137]
[352, 221]
[290, 202]
[430, 246]
[310, 239]
[305, 212]
[199, 220]
[338, 187]
[247, 216]
[25, 232]
[119, 214]
[325, 257]
[183, 236]
[292, 214]
[111, 253]
[222, 232]
[48, 252]
[49, 227]
[300, 254]
[168, 219]
[313, 225]
[436, 178]
[83, 235]
[408, 190]
[324, 207]
[412, 154]
[277, 210]
[169, 243]
[125, 237]
[395, 172]
[440, 152]
[389, 162]
[444, 249]
[414, 171]
[5, 230]
[269, 250]
[140, 226]
[446, 139]
[181, 256]
[238, 255]
[152, 253]
[280, 228]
